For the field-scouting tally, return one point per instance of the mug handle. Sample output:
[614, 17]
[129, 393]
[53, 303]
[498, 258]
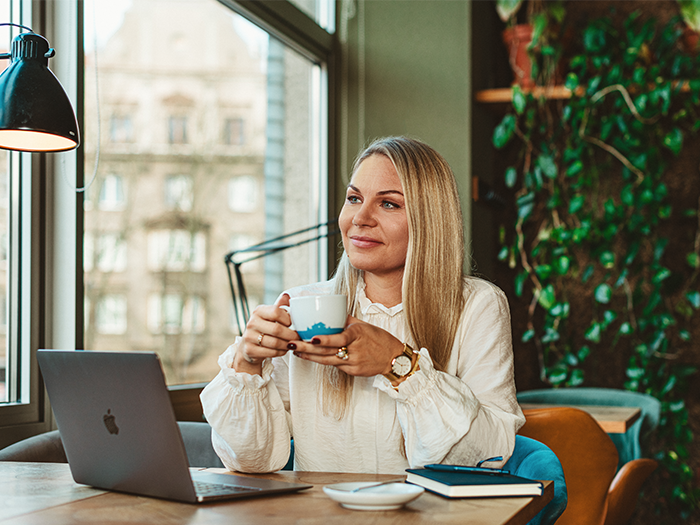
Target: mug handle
[288, 309]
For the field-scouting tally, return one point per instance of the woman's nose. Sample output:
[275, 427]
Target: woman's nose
[363, 216]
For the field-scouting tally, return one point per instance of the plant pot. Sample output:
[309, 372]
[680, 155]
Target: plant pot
[690, 40]
[517, 39]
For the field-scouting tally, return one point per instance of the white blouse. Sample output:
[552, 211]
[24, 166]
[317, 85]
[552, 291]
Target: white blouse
[462, 416]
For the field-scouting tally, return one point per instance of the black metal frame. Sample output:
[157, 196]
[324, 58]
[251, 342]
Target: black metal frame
[263, 249]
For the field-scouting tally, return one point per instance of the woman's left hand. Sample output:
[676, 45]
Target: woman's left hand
[370, 349]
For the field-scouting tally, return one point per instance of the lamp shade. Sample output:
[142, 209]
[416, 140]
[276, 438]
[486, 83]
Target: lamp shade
[35, 112]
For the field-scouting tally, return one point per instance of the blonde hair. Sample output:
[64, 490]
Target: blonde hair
[432, 288]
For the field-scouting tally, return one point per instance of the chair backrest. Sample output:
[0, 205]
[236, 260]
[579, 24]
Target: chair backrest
[629, 444]
[44, 448]
[48, 447]
[534, 460]
[588, 457]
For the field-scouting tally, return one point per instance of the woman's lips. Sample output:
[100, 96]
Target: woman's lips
[364, 242]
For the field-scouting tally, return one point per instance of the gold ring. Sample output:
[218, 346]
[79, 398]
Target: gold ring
[343, 353]
[260, 338]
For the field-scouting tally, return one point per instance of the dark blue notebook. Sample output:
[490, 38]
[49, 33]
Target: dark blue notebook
[473, 484]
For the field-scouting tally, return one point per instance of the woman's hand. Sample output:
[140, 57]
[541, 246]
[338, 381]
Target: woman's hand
[267, 334]
[370, 349]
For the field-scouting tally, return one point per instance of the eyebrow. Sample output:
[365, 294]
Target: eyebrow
[385, 192]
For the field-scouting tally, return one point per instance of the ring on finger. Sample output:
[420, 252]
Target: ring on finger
[260, 338]
[343, 353]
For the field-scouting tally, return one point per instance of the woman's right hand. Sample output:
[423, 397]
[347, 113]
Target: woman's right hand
[267, 334]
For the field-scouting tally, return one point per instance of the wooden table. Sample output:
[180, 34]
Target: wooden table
[612, 419]
[45, 493]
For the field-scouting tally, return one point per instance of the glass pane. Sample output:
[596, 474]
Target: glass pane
[5, 43]
[209, 140]
[320, 11]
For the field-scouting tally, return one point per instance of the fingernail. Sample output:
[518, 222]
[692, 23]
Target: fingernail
[291, 346]
[315, 341]
[297, 354]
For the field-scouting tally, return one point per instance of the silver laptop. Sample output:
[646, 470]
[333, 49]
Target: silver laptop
[119, 431]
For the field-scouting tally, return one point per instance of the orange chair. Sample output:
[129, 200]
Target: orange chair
[597, 496]
[624, 490]
[588, 457]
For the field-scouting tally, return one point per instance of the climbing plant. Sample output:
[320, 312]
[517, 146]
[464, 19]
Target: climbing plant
[595, 240]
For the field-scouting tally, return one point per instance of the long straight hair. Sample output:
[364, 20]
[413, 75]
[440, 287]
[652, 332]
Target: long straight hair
[432, 288]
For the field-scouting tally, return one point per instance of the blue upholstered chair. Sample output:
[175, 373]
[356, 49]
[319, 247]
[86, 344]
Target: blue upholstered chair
[48, 447]
[629, 445]
[534, 460]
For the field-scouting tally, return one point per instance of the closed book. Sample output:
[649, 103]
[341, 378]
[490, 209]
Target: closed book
[457, 484]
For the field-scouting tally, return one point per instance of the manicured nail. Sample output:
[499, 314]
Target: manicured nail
[291, 346]
[297, 354]
[315, 341]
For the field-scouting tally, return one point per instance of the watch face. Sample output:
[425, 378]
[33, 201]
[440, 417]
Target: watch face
[402, 365]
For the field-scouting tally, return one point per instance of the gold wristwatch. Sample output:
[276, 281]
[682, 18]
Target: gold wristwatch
[403, 365]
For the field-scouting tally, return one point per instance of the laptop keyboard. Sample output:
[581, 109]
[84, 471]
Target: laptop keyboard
[204, 489]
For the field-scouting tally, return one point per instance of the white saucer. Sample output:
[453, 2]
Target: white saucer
[383, 497]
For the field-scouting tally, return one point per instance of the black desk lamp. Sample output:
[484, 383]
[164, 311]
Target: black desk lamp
[35, 113]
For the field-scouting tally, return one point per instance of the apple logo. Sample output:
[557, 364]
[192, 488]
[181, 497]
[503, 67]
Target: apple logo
[109, 418]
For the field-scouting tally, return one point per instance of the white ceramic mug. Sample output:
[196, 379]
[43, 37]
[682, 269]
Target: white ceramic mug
[314, 315]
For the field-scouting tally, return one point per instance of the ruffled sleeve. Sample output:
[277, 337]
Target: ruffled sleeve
[250, 427]
[468, 413]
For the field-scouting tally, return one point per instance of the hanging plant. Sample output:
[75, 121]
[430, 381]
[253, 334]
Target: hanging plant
[591, 245]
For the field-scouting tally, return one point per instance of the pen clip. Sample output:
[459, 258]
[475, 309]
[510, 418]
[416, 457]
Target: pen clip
[497, 458]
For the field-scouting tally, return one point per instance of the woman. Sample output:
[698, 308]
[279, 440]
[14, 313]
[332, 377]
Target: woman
[422, 373]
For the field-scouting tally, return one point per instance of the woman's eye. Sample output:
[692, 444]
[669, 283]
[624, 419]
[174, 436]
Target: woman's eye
[390, 205]
[352, 199]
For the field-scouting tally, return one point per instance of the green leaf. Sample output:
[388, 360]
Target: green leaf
[694, 298]
[603, 293]
[511, 176]
[593, 333]
[527, 336]
[674, 140]
[576, 378]
[547, 165]
[547, 297]
[576, 203]
[583, 352]
[519, 100]
[562, 264]
[607, 259]
[693, 260]
[625, 329]
[504, 131]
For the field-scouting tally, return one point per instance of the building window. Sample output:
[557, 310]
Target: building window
[110, 314]
[176, 251]
[178, 192]
[243, 194]
[120, 129]
[112, 195]
[177, 130]
[233, 132]
[106, 253]
[173, 314]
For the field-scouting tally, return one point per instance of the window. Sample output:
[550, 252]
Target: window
[178, 192]
[110, 315]
[243, 193]
[112, 197]
[251, 109]
[173, 314]
[176, 251]
[107, 253]
[120, 129]
[177, 130]
[233, 132]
